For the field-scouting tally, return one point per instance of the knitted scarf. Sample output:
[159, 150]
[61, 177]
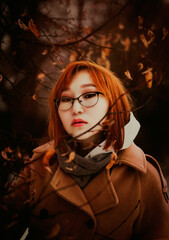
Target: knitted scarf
[83, 169]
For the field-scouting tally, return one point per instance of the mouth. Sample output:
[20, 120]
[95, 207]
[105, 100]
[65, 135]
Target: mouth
[78, 122]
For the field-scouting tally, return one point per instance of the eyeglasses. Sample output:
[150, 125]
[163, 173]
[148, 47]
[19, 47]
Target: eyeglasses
[88, 99]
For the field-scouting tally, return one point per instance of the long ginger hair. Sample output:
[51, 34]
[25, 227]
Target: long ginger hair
[109, 84]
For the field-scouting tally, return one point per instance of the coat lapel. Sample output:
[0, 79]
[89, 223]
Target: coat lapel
[67, 188]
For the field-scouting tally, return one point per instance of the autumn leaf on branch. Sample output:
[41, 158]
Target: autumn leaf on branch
[48, 155]
[71, 157]
[140, 66]
[149, 77]
[112, 161]
[144, 40]
[33, 28]
[128, 75]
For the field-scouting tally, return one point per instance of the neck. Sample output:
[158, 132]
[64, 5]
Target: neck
[82, 147]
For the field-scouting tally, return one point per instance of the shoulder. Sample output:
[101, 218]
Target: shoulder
[151, 176]
[41, 150]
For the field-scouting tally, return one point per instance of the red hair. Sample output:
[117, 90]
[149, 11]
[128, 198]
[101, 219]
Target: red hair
[119, 101]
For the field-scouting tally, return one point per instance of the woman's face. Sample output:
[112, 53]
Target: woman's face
[79, 118]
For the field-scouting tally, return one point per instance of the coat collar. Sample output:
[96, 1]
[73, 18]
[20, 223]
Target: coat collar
[133, 157]
[66, 187]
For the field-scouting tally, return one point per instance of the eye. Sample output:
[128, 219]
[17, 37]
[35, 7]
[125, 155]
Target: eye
[65, 99]
[89, 95]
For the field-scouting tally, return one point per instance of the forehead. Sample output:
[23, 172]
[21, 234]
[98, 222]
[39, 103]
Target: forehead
[81, 79]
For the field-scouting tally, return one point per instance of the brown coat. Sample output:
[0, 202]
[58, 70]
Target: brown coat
[126, 202]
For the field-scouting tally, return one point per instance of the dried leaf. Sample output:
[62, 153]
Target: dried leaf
[40, 75]
[34, 97]
[70, 169]
[73, 57]
[48, 169]
[48, 155]
[126, 44]
[135, 40]
[64, 154]
[150, 33]
[44, 52]
[121, 26]
[148, 70]
[33, 28]
[128, 75]
[54, 63]
[140, 66]
[112, 161]
[8, 149]
[149, 77]
[4, 155]
[22, 25]
[144, 41]
[71, 157]
[19, 154]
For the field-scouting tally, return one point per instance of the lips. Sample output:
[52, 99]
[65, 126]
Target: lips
[77, 122]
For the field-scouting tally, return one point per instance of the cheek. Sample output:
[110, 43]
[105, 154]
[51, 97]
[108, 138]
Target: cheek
[63, 117]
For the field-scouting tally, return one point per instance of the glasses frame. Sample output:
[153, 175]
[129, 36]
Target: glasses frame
[56, 100]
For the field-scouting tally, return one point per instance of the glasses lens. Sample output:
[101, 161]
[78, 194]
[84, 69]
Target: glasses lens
[89, 99]
[65, 103]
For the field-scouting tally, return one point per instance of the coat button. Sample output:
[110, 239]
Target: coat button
[90, 223]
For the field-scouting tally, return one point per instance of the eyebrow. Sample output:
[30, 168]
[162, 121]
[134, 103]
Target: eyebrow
[82, 86]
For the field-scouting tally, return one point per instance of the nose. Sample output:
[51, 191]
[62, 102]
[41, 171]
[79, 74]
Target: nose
[77, 108]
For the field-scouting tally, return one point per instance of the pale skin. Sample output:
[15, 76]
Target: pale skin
[83, 83]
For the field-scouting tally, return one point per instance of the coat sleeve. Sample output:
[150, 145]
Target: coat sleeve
[153, 220]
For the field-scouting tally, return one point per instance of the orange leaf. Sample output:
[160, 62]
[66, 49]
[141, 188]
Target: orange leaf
[33, 28]
[149, 77]
[128, 75]
[22, 25]
[48, 169]
[34, 97]
[144, 40]
[140, 66]
[4, 155]
[112, 161]
[126, 44]
[45, 52]
[71, 157]
[40, 75]
[48, 155]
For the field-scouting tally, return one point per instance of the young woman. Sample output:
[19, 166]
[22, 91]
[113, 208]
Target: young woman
[91, 181]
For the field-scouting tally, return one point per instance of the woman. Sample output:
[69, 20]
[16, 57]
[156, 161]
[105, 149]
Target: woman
[91, 181]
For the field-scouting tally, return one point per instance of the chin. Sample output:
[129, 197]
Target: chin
[84, 136]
